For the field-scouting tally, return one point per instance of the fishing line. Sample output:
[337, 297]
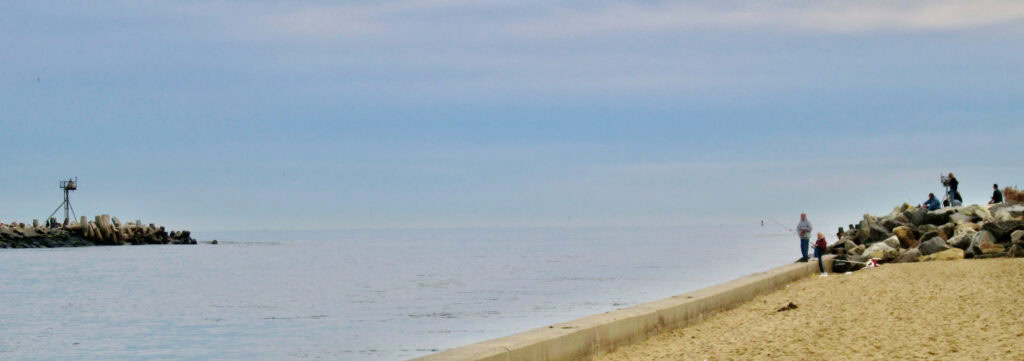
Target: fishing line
[780, 225]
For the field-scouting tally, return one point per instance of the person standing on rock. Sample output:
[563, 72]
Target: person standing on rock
[953, 185]
[803, 229]
[819, 251]
[997, 196]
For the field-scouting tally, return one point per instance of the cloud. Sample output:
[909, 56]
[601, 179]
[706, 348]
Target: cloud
[485, 19]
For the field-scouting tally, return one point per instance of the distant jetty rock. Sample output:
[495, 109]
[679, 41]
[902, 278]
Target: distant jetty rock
[912, 234]
[104, 230]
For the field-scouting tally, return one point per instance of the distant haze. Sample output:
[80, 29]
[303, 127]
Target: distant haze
[420, 114]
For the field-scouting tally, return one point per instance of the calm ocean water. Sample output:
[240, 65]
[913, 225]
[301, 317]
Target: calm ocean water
[350, 295]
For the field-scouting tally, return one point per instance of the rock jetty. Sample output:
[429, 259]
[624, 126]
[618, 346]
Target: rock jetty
[913, 234]
[104, 230]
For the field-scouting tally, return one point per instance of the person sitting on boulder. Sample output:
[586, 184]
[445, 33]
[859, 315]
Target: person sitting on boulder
[819, 252]
[803, 229]
[997, 196]
[932, 203]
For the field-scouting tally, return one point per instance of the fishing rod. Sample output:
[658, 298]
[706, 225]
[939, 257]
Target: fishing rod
[849, 261]
[790, 230]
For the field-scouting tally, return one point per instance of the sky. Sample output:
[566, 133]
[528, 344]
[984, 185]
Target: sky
[252, 115]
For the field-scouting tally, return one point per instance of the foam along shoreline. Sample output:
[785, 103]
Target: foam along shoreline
[945, 310]
[599, 334]
[103, 231]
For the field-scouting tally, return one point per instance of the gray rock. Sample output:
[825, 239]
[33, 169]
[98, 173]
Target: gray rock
[958, 218]
[932, 245]
[1003, 229]
[983, 242]
[893, 242]
[938, 216]
[947, 230]
[966, 228]
[962, 241]
[924, 229]
[872, 233]
[909, 256]
[1015, 251]
[1017, 237]
[915, 215]
[881, 251]
[931, 234]
[1003, 216]
[894, 220]
[977, 213]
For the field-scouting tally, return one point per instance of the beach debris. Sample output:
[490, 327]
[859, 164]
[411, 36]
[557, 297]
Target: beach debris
[790, 306]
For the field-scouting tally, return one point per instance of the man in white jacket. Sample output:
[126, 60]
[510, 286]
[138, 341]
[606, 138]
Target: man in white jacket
[804, 230]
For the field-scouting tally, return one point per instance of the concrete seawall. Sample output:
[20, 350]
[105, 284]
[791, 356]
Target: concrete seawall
[598, 334]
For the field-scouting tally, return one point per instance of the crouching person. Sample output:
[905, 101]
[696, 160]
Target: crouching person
[819, 252]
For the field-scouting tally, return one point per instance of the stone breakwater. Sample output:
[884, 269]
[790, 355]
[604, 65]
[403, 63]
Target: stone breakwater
[912, 234]
[104, 230]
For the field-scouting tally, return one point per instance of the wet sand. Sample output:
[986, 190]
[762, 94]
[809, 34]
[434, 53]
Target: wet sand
[943, 310]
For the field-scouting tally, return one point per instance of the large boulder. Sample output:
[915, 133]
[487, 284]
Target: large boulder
[984, 243]
[966, 228]
[893, 220]
[947, 255]
[933, 234]
[1007, 211]
[932, 245]
[938, 216]
[958, 218]
[893, 242]
[1003, 216]
[909, 256]
[906, 236]
[1017, 237]
[962, 241]
[1015, 251]
[842, 246]
[870, 232]
[1003, 229]
[863, 230]
[915, 215]
[946, 230]
[881, 251]
[923, 229]
[976, 212]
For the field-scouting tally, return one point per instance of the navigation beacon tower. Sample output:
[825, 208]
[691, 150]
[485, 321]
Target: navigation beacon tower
[68, 186]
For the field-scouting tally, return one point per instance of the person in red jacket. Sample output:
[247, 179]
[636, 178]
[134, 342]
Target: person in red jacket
[819, 252]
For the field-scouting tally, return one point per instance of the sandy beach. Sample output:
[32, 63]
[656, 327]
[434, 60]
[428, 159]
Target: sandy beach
[944, 310]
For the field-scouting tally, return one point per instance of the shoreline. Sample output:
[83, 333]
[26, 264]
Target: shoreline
[598, 334]
[906, 235]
